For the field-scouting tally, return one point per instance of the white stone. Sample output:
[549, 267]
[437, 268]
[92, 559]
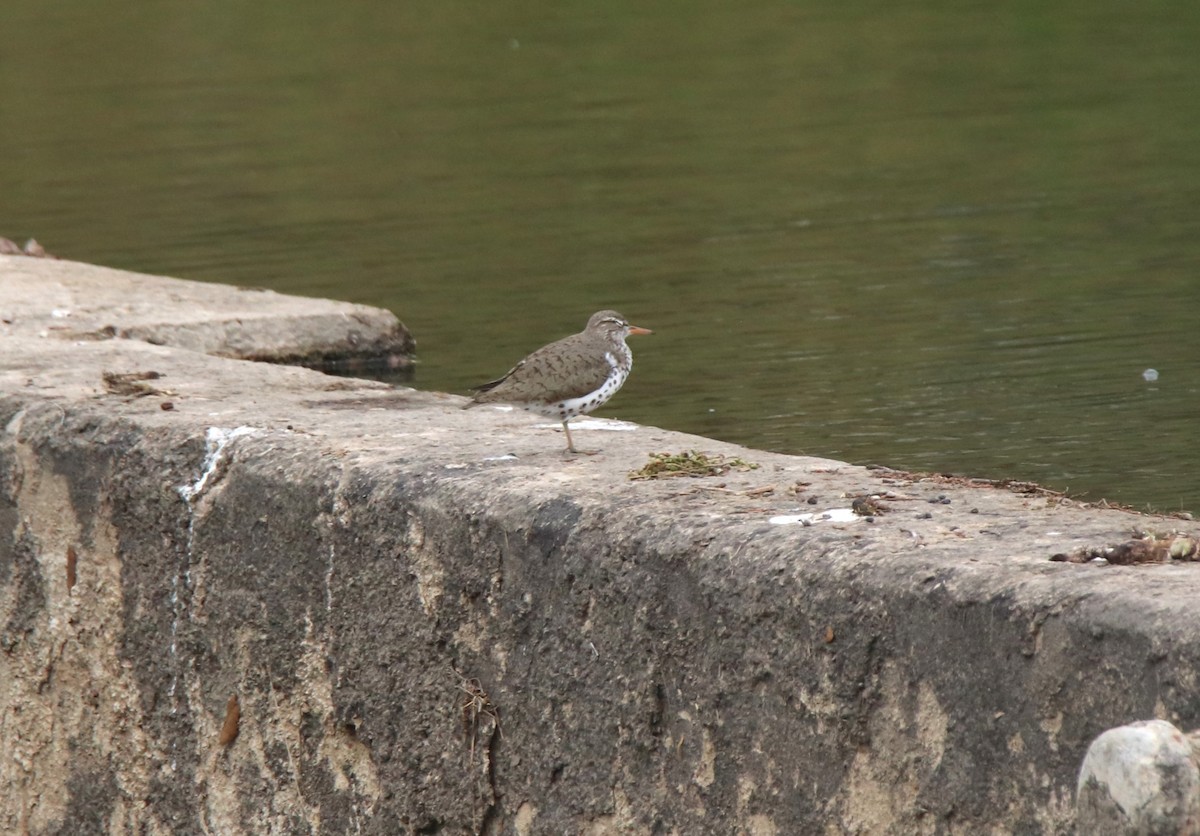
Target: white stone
[1139, 779]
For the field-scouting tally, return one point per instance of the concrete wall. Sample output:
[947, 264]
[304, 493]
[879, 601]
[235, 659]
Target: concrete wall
[434, 622]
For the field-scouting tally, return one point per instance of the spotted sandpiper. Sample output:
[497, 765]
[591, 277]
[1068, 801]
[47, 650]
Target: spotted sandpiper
[569, 377]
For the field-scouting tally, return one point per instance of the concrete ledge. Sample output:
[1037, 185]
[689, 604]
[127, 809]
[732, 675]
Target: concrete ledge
[82, 301]
[433, 622]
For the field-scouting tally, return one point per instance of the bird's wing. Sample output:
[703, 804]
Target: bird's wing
[561, 370]
[566, 374]
[492, 384]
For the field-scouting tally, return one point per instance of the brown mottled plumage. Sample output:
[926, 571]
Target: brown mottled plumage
[569, 377]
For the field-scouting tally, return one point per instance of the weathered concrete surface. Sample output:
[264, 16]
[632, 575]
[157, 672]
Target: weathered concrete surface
[67, 299]
[379, 577]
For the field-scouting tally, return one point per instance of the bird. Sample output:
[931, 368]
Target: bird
[569, 377]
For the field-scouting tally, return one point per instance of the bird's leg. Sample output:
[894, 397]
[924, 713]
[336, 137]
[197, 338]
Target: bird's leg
[571, 444]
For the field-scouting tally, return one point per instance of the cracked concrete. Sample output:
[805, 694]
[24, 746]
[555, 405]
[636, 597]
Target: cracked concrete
[434, 622]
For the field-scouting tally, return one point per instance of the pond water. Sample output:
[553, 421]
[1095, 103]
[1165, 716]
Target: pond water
[944, 237]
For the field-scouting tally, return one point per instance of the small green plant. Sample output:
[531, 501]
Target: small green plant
[689, 463]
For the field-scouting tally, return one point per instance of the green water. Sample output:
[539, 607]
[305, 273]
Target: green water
[947, 236]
